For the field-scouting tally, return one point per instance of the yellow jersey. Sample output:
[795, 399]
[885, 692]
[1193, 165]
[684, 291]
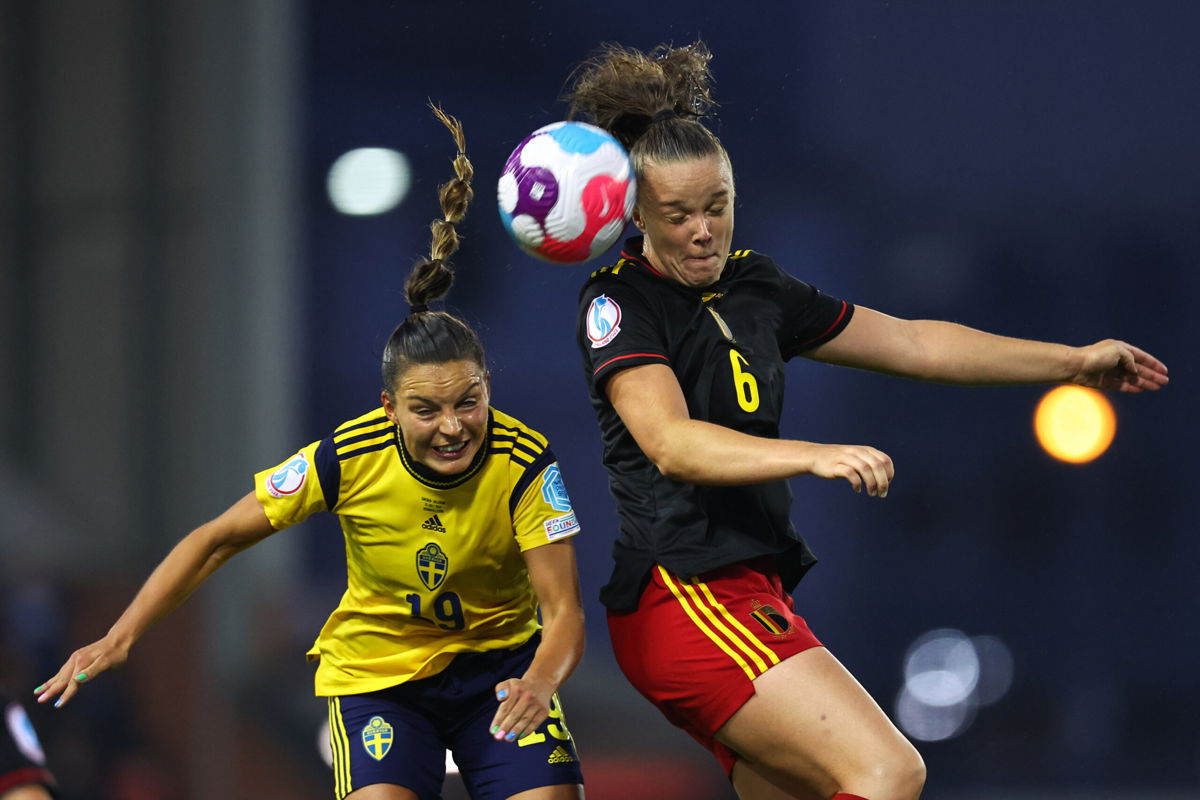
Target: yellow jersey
[433, 563]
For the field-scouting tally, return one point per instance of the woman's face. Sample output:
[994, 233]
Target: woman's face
[442, 413]
[685, 208]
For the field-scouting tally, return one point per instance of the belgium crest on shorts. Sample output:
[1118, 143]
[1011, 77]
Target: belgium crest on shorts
[377, 738]
[774, 622]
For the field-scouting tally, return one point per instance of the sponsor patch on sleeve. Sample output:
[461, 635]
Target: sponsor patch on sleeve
[289, 478]
[603, 320]
[558, 527]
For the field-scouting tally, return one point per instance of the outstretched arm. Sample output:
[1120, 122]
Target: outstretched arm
[189, 564]
[525, 703]
[950, 353]
[651, 404]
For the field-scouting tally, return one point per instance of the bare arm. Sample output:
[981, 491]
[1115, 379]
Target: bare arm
[950, 353]
[651, 404]
[526, 700]
[189, 564]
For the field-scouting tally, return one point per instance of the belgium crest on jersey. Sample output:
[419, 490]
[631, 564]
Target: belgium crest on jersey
[432, 566]
[377, 738]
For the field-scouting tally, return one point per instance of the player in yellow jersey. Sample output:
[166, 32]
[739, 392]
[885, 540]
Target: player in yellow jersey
[458, 530]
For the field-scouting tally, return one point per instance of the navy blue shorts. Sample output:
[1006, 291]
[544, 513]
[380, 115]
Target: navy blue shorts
[400, 735]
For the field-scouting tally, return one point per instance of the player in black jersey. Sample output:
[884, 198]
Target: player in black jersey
[23, 771]
[684, 344]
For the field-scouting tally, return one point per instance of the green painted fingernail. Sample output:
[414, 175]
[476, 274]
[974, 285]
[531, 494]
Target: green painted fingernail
[81, 676]
[495, 728]
[39, 689]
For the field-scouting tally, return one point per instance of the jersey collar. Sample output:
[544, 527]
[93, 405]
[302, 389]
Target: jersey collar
[633, 252]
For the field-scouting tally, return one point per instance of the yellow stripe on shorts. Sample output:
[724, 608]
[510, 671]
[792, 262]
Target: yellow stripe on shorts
[734, 621]
[339, 743]
[716, 639]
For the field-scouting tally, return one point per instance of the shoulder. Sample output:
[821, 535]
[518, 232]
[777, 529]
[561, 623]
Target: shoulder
[508, 436]
[626, 277]
[366, 433]
[526, 452]
[746, 263]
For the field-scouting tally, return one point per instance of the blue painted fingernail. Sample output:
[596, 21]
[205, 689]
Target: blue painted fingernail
[58, 702]
[511, 736]
[503, 693]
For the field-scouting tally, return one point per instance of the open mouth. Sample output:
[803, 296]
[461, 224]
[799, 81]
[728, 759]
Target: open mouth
[451, 451]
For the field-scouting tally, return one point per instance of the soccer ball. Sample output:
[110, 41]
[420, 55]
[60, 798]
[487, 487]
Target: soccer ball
[567, 192]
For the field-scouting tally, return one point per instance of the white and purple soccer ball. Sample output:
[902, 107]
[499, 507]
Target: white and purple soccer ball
[567, 192]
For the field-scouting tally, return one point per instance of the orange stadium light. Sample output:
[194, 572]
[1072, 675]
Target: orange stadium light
[1075, 424]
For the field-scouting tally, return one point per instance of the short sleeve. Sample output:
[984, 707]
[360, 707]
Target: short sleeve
[298, 488]
[810, 317]
[22, 760]
[543, 513]
[617, 331]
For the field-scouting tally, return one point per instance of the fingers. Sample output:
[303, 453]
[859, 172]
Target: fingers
[867, 468]
[521, 709]
[78, 670]
[1147, 372]
[1119, 366]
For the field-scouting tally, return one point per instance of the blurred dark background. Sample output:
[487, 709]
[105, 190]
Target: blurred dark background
[181, 305]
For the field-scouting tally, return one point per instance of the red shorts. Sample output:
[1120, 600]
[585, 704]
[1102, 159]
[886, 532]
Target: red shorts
[694, 647]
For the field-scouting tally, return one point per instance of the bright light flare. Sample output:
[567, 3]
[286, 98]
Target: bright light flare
[369, 180]
[1075, 424]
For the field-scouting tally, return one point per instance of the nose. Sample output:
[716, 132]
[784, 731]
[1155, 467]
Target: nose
[450, 424]
[701, 231]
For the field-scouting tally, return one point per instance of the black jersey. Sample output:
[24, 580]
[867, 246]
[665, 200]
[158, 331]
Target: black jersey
[21, 760]
[727, 344]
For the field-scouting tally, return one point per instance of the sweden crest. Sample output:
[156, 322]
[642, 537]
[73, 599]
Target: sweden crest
[377, 738]
[432, 566]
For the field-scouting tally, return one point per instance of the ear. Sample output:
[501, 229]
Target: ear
[638, 221]
[389, 407]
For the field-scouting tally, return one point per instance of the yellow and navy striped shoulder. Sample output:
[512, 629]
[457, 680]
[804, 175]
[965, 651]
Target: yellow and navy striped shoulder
[738, 255]
[527, 450]
[372, 431]
[368, 433]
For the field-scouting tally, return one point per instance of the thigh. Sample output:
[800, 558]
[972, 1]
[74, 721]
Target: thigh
[811, 727]
[377, 739]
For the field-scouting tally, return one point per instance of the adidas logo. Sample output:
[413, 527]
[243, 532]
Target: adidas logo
[560, 756]
[433, 524]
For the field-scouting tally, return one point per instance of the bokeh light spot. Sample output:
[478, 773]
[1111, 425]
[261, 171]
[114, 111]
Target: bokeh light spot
[369, 180]
[1074, 423]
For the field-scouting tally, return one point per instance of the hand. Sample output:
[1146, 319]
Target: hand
[524, 705]
[83, 665]
[1117, 366]
[862, 466]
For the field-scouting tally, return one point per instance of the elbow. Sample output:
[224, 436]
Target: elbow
[668, 463]
[670, 468]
